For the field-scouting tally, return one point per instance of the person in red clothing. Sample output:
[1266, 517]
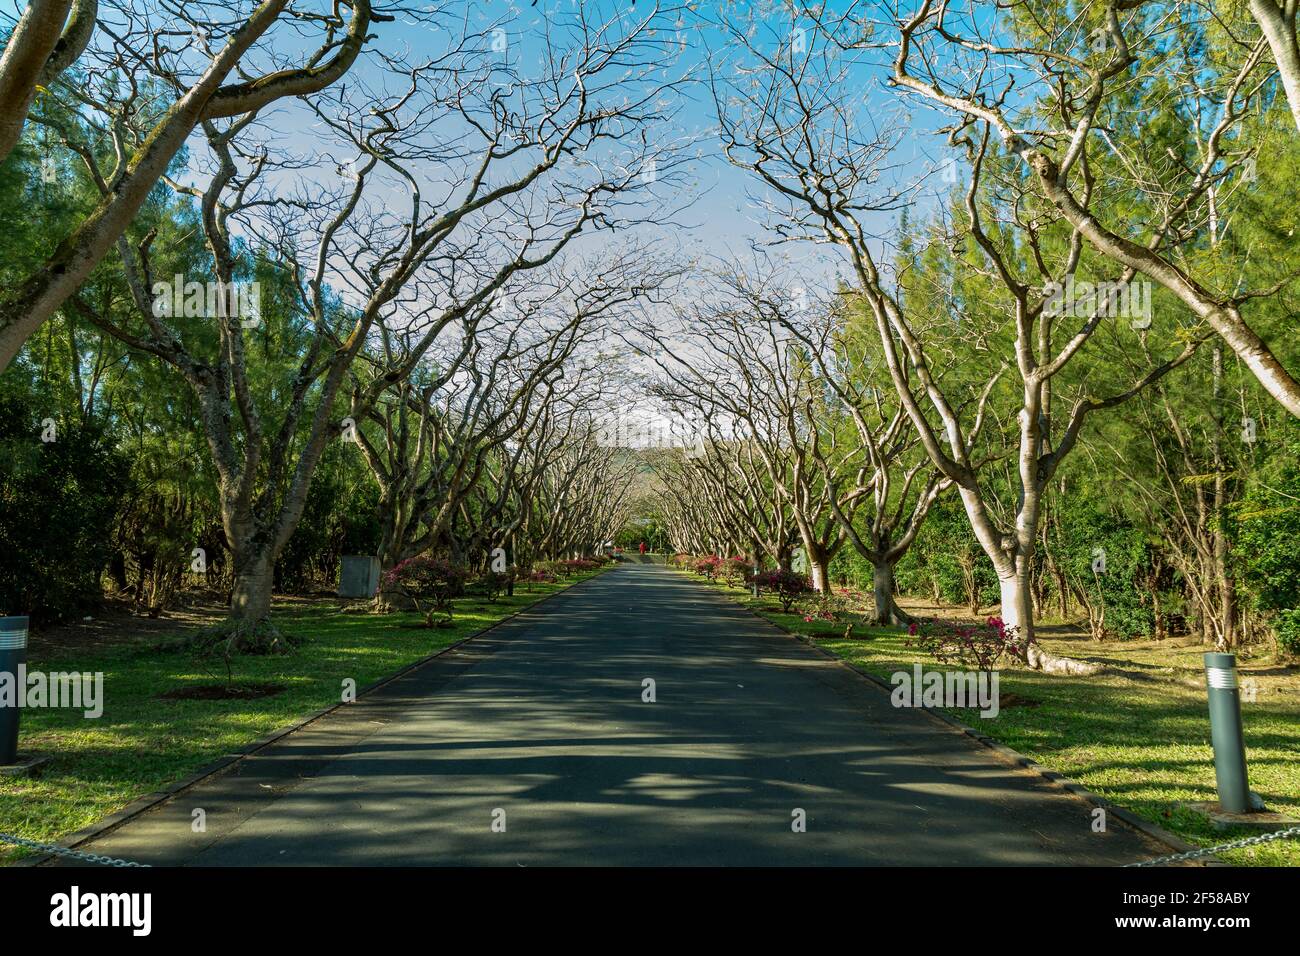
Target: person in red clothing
[643, 547]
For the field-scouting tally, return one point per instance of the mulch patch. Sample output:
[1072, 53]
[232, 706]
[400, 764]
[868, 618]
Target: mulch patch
[1016, 700]
[248, 691]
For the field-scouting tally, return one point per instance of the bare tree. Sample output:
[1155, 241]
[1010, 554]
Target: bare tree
[1057, 122]
[880, 490]
[509, 190]
[47, 39]
[437, 433]
[732, 360]
[834, 446]
[790, 128]
[555, 490]
[173, 62]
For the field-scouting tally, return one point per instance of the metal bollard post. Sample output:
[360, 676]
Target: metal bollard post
[13, 653]
[1225, 732]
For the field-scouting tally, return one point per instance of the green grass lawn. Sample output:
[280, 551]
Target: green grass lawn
[1138, 735]
[142, 743]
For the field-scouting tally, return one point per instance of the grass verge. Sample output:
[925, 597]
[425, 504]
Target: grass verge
[142, 741]
[1138, 734]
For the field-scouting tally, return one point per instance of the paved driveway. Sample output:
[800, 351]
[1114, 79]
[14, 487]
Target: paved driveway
[532, 746]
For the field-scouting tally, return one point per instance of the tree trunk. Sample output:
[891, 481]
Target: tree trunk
[882, 587]
[1062, 591]
[1017, 615]
[1017, 605]
[390, 554]
[1158, 612]
[1281, 36]
[117, 571]
[819, 568]
[250, 601]
[1224, 585]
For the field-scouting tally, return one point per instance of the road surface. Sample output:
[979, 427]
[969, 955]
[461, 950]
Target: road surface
[532, 745]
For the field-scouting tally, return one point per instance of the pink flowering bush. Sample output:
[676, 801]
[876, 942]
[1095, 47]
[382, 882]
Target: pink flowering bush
[831, 608]
[539, 576]
[972, 645]
[735, 570]
[708, 566]
[431, 580]
[787, 586]
[837, 608]
[567, 568]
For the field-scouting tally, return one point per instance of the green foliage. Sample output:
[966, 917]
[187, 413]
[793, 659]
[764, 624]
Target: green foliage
[1266, 531]
[1267, 525]
[1287, 626]
[1107, 560]
[341, 516]
[57, 505]
[946, 562]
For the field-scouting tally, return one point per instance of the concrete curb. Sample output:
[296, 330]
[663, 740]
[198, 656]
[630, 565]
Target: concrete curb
[1014, 757]
[150, 800]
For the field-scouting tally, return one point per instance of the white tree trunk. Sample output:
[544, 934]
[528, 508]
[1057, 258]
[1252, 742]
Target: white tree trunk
[1018, 614]
[250, 601]
[1017, 606]
[819, 569]
[1281, 36]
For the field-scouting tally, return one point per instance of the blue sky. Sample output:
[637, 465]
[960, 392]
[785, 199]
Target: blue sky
[713, 213]
[721, 218]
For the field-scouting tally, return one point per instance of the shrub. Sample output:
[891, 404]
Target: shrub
[971, 645]
[57, 507]
[708, 566]
[1108, 563]
[340, 516]
[832, 608]
[432, 580]
[947, 562]
[1266, 533]
[1287, 628]
[555, 569]
[492, 583]
[539, 576]
[735, 570]
[786, 585]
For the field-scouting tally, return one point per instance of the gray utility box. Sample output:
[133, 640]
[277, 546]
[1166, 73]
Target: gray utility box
[359, 576]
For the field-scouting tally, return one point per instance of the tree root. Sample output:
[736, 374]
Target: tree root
[392, 601]
[1041, 660]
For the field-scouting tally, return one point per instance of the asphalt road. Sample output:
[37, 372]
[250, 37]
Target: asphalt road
[540, 725]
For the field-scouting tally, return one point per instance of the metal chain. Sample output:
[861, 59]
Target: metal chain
[64, 851]
[1209, 850]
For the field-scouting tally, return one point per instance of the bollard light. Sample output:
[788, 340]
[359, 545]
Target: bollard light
[1225, 732]
[13, 653]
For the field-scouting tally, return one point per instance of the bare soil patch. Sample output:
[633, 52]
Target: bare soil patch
[222, 692]
[116, 623]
